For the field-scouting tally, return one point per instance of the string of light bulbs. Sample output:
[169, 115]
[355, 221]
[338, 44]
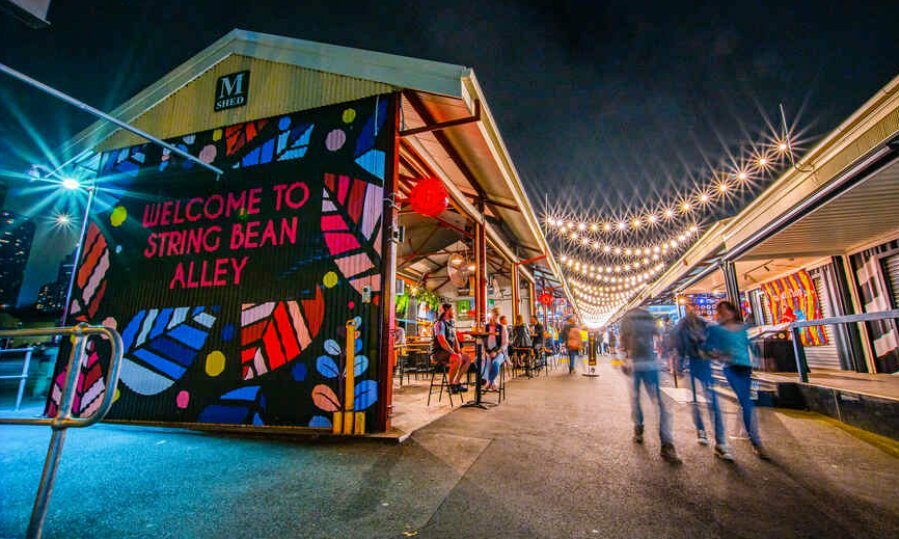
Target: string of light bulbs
[719, 187]
[633, 251]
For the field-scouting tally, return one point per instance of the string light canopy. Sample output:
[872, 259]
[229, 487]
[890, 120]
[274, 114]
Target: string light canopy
[612, 273]
[764, 159]
[654, 251]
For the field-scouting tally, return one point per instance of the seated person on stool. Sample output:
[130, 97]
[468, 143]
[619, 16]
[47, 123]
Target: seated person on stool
[446, 350]
[496, 350]
[521, 341]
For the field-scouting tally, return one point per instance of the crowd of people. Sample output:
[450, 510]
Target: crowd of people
[694, 343]
[524, 342]
[645, 347]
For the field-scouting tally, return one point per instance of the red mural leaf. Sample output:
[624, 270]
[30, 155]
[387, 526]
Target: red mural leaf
[274, 334]
[325, 398]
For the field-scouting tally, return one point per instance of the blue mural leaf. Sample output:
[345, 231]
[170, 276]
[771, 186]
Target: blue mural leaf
[358, 346]
[366, 394]
[320, 421]
[298, 372]
[358, 322]
[361, 365]
[326, 367]
[332, 347]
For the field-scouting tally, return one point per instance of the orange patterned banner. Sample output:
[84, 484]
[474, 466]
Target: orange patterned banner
[794, 298]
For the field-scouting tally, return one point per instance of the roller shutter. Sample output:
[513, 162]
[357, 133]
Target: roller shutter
[827, 356]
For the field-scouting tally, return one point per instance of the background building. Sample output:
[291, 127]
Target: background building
[16, 235]
[52, 296]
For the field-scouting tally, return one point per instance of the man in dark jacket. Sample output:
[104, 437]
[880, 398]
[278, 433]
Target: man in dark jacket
[690, 337]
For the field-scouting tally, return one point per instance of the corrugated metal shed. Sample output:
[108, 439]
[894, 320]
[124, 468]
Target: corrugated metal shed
[275, 88]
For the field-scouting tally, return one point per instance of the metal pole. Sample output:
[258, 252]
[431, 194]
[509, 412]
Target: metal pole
[84, 223]
[787, 141]
[24, 378]
[103, 116]
[799, 352]
[57, 439]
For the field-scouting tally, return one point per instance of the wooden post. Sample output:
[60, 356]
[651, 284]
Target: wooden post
[480, 257]
[516, 293]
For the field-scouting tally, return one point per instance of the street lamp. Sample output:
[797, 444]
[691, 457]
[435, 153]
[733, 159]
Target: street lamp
[72, 184]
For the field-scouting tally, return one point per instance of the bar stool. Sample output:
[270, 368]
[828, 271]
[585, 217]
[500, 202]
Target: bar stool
[444, 383]
[501, 396]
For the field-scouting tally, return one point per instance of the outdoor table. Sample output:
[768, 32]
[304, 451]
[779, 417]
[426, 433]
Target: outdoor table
[480, 337]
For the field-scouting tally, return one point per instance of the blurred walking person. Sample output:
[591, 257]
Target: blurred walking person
[729, 342]
[637, 339]
[690, 335]
[537, 340]
[571, 340]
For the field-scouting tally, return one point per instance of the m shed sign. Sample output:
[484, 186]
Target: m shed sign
[232, 90]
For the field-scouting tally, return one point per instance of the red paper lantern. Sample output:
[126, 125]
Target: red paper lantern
[429, 197]
[546, 298]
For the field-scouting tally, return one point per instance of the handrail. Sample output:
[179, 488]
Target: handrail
[22, 378]
[799, 350]
[64, 419]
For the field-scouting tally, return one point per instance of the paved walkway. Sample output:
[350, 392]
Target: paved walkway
[555, 461]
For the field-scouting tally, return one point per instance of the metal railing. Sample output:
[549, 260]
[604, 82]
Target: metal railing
[799, 350]
[64, 418]
[22, 378]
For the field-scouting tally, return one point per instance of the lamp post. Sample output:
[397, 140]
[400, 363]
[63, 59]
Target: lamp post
[72, 184]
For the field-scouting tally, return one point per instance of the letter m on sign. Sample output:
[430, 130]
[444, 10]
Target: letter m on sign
[231, 90]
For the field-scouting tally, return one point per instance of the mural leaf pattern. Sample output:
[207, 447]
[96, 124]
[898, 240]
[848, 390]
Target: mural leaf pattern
[275, 333]
[241, 406]
[351, 224]
[160, 345]
[90, 390]
[90, 280]
[325, 398]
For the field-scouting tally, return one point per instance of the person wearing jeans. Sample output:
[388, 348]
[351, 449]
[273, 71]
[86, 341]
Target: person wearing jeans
[497, 350]
[568, 342]
[648, 377]
[690, 335]
[638, 334]
[729, 341]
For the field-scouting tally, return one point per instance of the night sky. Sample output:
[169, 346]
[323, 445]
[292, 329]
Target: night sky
[603, 107]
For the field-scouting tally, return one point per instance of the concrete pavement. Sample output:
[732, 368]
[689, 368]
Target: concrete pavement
[555, 460]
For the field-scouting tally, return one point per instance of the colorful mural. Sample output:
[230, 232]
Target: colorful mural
[232, 295]
[794, 298]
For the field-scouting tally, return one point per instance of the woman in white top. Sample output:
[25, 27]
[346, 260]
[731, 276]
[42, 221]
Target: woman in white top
[497, 350]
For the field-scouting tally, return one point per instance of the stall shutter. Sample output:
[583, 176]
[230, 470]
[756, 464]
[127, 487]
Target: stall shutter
[891, 265]
[827, 356]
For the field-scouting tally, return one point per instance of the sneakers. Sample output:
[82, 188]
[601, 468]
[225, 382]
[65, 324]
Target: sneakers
[702, 438]
[669, 454]
[760, 452]
[723, 453]
[638, 435]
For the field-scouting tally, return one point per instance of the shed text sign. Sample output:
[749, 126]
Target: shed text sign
[232, 90]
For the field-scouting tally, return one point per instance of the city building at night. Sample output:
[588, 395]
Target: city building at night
[16, 235]
[52, 296]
